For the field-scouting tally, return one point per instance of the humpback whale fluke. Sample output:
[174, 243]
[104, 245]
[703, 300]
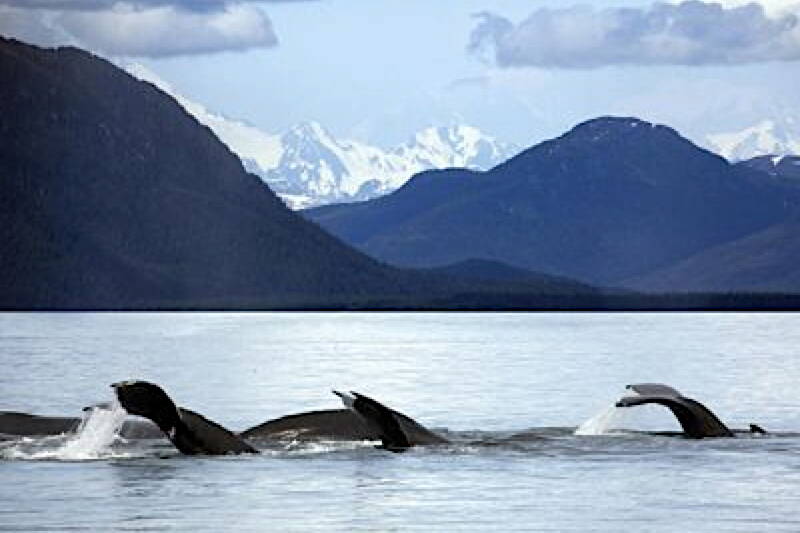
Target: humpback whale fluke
[190, 432]
[379, 418]
[654, 389]
[396, 431]
[695, 418]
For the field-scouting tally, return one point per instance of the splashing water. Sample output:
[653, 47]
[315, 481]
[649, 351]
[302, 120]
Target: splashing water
[603, 422]
[98, 430]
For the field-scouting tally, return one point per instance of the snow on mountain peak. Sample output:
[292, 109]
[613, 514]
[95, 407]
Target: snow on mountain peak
[308, 166]
[322, 169]
[309, 129]
[768, 137]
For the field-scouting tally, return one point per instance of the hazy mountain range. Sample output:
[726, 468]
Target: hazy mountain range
[308, 166]
[116, 197]
[614, 201]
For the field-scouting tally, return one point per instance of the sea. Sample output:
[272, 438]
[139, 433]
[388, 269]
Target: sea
[526, 399]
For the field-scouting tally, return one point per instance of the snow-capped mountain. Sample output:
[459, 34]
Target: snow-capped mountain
[315, 168]
[307, 166]
[768, 137]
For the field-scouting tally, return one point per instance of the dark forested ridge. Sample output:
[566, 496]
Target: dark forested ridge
[611, 202]
[114, 197]
[782, 167]
[764, 261]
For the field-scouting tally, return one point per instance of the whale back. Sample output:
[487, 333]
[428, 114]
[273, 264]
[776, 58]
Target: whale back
[15, 424]
[336, 424]
[330, 424]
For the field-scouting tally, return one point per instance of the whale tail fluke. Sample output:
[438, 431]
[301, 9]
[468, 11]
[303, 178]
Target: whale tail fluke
[146, 399]
[697, 420]
[190, 432]
[653, 389]
[378, 417]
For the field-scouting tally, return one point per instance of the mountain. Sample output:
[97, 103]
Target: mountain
[779, 136]
[254, 147]
[315, 168]
[115, 197]
[764, 261]
[481, 269]
[308, 166]
[611, 200]
[784, 167]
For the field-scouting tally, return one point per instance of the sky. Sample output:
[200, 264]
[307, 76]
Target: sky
[378, 71]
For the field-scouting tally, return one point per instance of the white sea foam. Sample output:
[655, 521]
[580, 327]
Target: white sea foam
[604, 422]
[94, 438]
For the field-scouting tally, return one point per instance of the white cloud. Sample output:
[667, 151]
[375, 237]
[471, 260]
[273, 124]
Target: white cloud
[689, 33]
[164, 31]
[32, 27]
[126, 29]
[772, 7]
[99, 5]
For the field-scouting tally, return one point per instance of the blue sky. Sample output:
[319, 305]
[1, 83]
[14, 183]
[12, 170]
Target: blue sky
[379, 70]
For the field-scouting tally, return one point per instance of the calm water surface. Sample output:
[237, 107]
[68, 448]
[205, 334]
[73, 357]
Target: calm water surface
[508, 388]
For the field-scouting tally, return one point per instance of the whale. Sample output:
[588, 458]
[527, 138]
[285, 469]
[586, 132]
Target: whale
[15, 424]
[696, 420]
[190, 432]
[325, 424]
[347, 424]
[362, 419]
[396, 431]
